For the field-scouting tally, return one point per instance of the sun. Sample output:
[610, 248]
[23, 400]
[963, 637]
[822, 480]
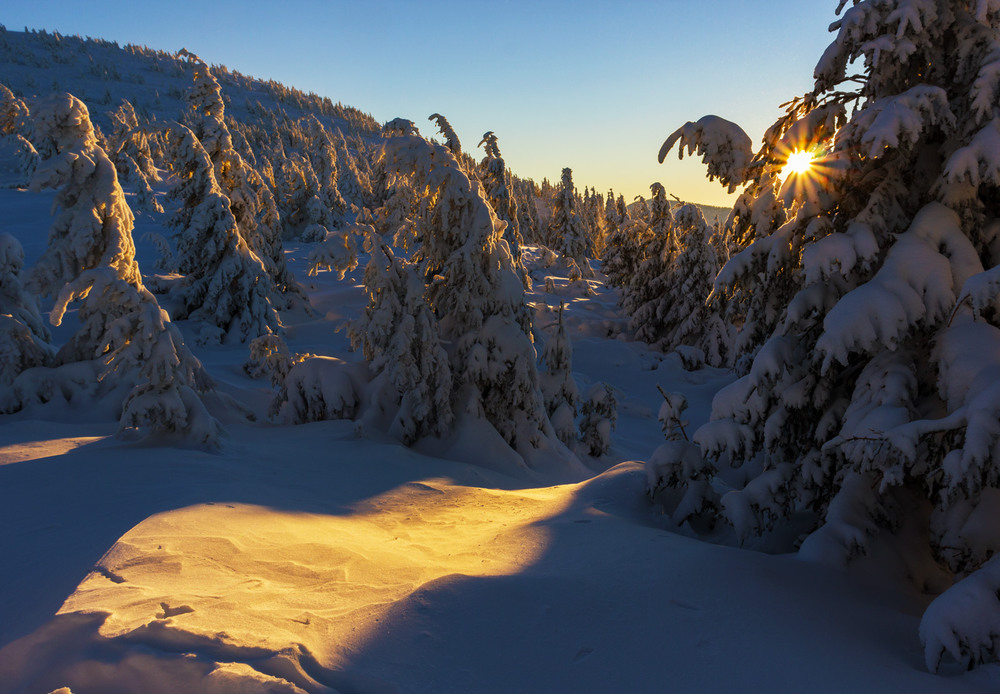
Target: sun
[798, 162]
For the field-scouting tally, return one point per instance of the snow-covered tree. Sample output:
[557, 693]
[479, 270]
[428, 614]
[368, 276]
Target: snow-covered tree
[271, 358]
[679, 464]
[129, 141]
[14, 115]
[395, 218]
[24, 339]
[354, 186]
[93, 223]
[867, 290]
[322, 153]
[667, 297]
[241, 142]
[267, 242]
[15, 135]
[649, 288]
[528, 220]
[469, 284]
[251, 202]
[299, 199]
[566, 230]
[206, 112]
[317, 389]
[338, 252]
[144, 346]
[128, 147]
[400, 337]
[600, 414]
[226, 285]
[593, 214]
[625, 245]
[497, 183]
[562, 397]
[124, 337]
[451, 140]
[400, 202]
[689, 319]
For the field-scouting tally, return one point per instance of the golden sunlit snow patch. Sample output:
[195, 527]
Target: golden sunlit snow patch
[35, 450]
[250, 577]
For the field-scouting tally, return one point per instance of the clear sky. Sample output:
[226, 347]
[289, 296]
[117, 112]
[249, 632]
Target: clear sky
[595, 86]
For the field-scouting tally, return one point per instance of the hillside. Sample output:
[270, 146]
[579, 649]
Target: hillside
[102, 73]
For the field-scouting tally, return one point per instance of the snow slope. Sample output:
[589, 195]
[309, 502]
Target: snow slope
[323, 558]
[102, 73]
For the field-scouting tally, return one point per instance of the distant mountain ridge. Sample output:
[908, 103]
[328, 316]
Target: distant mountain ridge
[713, 214]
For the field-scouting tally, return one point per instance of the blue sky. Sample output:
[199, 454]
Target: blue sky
[596, 86]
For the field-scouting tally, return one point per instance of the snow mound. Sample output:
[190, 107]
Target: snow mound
[239, 597]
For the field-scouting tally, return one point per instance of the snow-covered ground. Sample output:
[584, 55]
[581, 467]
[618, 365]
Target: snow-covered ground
[323, 558]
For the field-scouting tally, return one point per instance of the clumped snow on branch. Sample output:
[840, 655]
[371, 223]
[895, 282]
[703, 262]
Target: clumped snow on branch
[722, 145]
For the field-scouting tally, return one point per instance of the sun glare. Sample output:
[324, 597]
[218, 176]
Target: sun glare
[798, 162]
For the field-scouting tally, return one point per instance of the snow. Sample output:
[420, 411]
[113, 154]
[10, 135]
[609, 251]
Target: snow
[917, 284]
[323, 558]
[377, 569]
[326, 556]
[963, 621]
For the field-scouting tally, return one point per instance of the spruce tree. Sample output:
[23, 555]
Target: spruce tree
[497, 183]
[469, 284]
[250, 200]
[354, 187]
[128, 141]
[686, 318]
[14, 115]
[562, 397]
[600, 414]
[451, 140]
[226, 285]
[527, 211]
[124, 337]
[24, 339]
[866, 289]
[649, 290]
[610, 258]
[627, 240]
[322, 153]
[301, 206]
[79, 239]
[15, 138]
[401, 339]
[667, 297]
[566, 229]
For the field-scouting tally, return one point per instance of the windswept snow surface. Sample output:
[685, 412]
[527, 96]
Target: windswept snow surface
[323, 558]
